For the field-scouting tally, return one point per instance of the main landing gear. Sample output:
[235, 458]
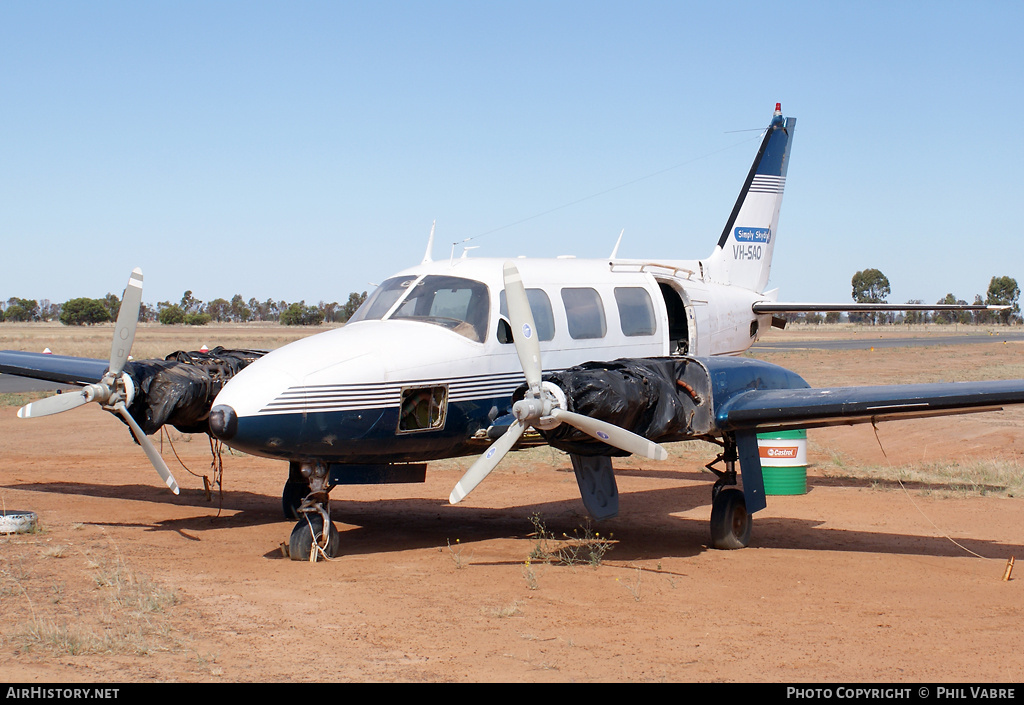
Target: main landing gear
[305, 498]
[730, 520]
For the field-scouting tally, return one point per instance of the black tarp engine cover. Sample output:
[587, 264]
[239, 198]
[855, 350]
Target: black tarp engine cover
[649, 396]
[180, 389]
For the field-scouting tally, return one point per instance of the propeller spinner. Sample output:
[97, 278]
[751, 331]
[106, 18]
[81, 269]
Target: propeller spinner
[543, 405]
[115, 391]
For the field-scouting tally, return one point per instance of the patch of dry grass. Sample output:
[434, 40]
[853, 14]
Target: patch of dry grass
[979, 477]
[18, 399]
[84, 603]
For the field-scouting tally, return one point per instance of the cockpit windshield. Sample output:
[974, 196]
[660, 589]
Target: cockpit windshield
[382, 299]
[458, 304]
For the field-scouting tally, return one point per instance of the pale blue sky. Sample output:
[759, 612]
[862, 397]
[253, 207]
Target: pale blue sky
[300, 150]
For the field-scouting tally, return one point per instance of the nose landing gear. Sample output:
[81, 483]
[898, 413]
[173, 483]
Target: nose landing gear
[314, 536]
[309, 541]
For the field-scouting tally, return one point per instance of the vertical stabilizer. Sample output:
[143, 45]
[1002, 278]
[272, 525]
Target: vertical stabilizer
[743, 255]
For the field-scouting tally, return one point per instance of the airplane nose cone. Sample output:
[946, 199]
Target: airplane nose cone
[223, 422]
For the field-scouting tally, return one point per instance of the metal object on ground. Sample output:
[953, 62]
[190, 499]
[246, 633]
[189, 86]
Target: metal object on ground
[14, 521]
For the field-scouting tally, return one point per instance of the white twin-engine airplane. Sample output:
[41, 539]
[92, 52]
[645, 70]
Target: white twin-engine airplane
[462, 357]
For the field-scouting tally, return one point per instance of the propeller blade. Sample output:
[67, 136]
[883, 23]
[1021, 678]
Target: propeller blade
[612, 435]
[52, 405]
[147, 445]
[127, 321]
[524, 330]
[486, 462]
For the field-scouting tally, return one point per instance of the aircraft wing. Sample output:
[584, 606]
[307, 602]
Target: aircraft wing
[61, 369]
[796, 307]
[675, 399]
[778, 409]
[177, 390]
[678, 399]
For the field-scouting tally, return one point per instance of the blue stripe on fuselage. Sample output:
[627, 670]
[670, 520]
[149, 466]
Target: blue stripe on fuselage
[364, 435]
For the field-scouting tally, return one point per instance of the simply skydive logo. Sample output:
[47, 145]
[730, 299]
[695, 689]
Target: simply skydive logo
[761, 235]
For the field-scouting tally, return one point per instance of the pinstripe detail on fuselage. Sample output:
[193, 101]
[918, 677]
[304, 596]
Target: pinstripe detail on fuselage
[348, 397]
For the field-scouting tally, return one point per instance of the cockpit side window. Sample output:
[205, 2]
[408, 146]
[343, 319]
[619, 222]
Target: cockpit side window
[458, 304]
[540, 306]
[382, 299]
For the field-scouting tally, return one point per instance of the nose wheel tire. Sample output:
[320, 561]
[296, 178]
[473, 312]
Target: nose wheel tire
[309, 531]
[730, 521]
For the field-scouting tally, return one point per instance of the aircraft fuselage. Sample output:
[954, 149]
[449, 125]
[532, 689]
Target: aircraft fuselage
[427, 365]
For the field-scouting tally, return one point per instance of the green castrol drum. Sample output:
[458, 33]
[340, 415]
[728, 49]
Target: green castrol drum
[783, 461]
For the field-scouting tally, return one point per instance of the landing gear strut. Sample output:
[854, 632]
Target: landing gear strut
[314, 536]
[730, 520]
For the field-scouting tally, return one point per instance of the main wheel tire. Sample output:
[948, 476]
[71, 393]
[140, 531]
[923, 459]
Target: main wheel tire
[310, 528]
[291, 498]
[730, 521]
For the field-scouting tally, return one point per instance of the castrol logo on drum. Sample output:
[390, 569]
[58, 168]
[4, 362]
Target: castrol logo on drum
[776, 452]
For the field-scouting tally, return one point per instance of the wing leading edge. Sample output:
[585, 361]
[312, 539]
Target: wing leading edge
[777, 409]
[61, 369]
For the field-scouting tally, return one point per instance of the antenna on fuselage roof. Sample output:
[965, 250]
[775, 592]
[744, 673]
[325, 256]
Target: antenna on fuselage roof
[465, 252]
[615, 250]
[430, 245]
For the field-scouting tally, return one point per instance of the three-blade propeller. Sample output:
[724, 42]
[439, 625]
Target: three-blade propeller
[541, 407]
[115, 391]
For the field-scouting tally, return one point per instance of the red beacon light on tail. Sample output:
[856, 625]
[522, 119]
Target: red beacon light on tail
[777, 120]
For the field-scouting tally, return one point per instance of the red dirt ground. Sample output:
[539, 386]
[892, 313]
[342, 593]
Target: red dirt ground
[858, 580]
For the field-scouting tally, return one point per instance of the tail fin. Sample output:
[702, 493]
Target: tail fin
[743, 255]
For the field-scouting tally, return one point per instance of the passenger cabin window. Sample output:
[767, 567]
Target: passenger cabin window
[451, 302]
[584, 312]
[636, 311]
[540, 306]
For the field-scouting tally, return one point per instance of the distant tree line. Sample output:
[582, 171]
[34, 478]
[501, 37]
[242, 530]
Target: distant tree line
[871, 286]
[868, 286]
[188, 311]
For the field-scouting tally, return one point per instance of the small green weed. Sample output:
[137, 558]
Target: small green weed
[634, 587]
[530, 575]
[456, 554]
[584, 546]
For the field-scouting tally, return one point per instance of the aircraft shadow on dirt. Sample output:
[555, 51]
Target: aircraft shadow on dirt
[647, 528]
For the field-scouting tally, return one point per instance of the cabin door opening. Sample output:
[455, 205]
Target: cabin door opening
[678, 325]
